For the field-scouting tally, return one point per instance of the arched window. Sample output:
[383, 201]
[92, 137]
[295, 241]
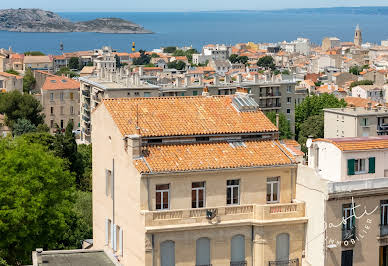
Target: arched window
[237, 254]
[167, 253]
[282, 247]
[203, 251]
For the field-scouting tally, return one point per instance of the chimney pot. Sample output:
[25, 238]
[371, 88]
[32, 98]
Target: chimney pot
[205, 91]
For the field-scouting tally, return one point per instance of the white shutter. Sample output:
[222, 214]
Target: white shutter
[106, 181]
[114, 238]
[106, 231]
[121, 241]
[111, 185]
[111, 234]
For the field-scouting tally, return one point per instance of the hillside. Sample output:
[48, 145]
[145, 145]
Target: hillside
[37, 20]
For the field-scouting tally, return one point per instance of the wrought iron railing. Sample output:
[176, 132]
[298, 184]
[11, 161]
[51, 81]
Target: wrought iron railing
[293, 262]
[348, 234]
[383, 229]
[238, 263]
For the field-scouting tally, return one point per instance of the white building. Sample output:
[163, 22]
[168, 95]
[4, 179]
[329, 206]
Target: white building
[371, 92]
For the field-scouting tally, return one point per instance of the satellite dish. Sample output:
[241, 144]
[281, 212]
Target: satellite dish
[309, 142]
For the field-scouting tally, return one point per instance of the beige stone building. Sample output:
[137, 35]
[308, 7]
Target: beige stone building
[41, 62]
[60, 100]
[10, 82]
[193, 181]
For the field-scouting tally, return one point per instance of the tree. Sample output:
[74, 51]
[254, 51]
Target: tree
[233, 58]
[23, 126]
[169, 50]
[286, 72]
[284, 124]
[16, 105]
[178, 65]
[36, 198]
[154, 55]
[313, 106]
[89, 63]
[13, 72]
[85, 152]
[74, 63]
[314, 127]
[266, 62]
[33, 53]
[361, 82]
[28, 80]
[144, 59]
[67, 72]
[243, 59]
[356, 70]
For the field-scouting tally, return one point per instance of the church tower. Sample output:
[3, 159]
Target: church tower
[357, 36]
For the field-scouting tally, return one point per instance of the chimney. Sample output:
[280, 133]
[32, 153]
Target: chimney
[205, 91]
[39, 258]
[132, 144]
[277, 120]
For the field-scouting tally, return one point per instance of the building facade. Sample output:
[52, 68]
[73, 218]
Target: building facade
[10, 82]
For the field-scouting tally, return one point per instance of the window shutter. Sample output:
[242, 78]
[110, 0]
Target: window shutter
[351, 167]
[106, 182]
[111, 185]
[343, 216]
[111, 234]
[114, 238]
[121, 242]
[372, 162]
[106, 231]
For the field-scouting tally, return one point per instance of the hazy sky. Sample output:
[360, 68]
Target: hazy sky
[181, 5]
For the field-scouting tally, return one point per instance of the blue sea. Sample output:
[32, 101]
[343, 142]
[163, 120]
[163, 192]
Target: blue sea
[199, 28]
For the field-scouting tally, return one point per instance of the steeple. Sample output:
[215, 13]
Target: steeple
[357, 36]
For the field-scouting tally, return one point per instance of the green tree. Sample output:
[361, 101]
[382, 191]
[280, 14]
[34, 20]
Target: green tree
[266, 62]
[169, 50]
[12, 71]
[23, 126]
[36, 197]
[28, 80]
[74, 63]
[67, 72]
[243, 59]
[355, 70]
[16, 105]
[284, 124]
[85, 152]
[313, 106]
[314, 127]
[33, 53]
[154, 55]
[286, 72]
[144, 59]
[233, 58]
[178, 65]
[361, 82]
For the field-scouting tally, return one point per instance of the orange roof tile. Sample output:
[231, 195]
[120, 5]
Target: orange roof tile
[60, 83]
[359, 143]
[5, 74]
[173, 116]
[217, 155]
[359, 102]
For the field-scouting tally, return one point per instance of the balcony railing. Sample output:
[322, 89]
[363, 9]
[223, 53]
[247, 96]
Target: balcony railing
[238, 263]
[383, 229]
[236, 213]
[293, 262]
[348, 234]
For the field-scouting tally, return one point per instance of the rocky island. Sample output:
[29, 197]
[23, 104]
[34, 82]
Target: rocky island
[37, 20]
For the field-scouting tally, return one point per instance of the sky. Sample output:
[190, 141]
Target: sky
[181, 5]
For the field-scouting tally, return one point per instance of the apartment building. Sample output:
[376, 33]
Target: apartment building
[10, 82]
[193, 181]
[355, 122]
[60, 98]
[345, 187]
[43, 62]
[372, 92]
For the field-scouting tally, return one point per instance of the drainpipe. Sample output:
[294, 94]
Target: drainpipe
[113, 191]
[252, 238]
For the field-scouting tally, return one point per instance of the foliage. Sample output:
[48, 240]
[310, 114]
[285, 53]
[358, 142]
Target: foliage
[234, 59]
[74, 63]
[33, 53]
[313, 106]
[89, 63]
[318, 83]
[144, 59]
[36, 199]
[356, 70]
[169, 50]
[150, 65]
[42, 128]
[85, 152]
[23, 126]
[284, 124]
[286, 72]
[154, 55]
[28, 80]
[361, 82]
[189, 53]
[266, 62]
[178, 65]
[13, 72]
[314, 127]
[16, 105]
[67, 72]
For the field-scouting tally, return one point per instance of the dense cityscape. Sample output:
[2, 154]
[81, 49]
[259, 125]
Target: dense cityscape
[241, 155]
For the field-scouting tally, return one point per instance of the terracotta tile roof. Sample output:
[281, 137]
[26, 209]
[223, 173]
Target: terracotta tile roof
[88, 70]
[293, 146]
[60, 83]
[358, 143]
[174, 116]
[359, 102]
[217, 155]
[37, 59]
[8, 75]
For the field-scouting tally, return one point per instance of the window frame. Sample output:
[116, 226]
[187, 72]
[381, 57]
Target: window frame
[271, 183]
[51, 96]
[162, 191]
[384, 212]
[345, 216]
[358, 163]
[231, 187]
[197, 189]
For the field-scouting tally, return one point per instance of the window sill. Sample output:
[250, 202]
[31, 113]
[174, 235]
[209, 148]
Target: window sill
[273, 202]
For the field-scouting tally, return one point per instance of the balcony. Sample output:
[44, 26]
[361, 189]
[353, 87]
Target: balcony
[348, 234]
[382, 129]
[383, 230]
[86, 94]
[238, 263]
[294, 262]
[237, 214]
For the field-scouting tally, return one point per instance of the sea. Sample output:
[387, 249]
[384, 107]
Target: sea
[199, 28]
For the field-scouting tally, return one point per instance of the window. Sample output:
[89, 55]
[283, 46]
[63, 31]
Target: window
[51, 96]
[272, 189]
[198, 195]
[384, 212]
[62, 124]
[359, 166]
[61, 110]
[51, 110]
[61, 96]
[51, 123]
[282, 247]
[137, 94]
[289, 89]
[202, 251]
[237, 250]
[108, 183]
[364, 122]
[167, 253]
[347, 257]
[71, 96]
[288, 111]
[71, 109]
[348, 216]
[195, 93]
[232, 192]
[118, 240]
[108, 232]
[162, 197]
[288, 100]
[147, 94]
